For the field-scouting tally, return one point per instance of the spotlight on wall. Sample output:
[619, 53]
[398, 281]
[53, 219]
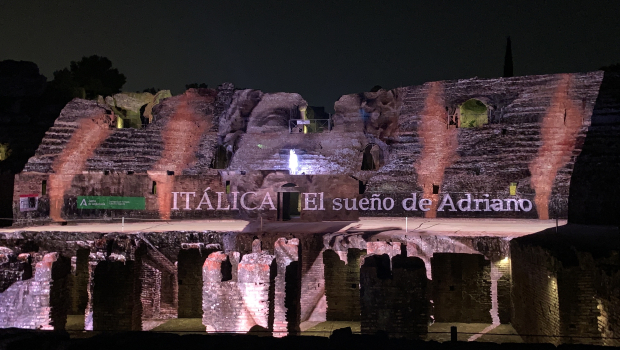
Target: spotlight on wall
[292, 162]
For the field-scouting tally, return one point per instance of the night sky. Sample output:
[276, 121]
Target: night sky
[320, 49]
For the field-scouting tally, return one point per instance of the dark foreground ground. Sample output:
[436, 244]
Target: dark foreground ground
[17, 339]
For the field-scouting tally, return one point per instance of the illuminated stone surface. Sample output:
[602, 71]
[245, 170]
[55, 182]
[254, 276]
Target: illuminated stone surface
[238, 142]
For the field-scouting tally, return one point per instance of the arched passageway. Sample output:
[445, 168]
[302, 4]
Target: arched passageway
[473, 114]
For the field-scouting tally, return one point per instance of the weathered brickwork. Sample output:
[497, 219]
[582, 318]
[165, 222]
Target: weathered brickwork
[12, 269]
[287, 310]
[116, 302]
[393, 299]
[313, 304]
[504, 284]
[342, 285]
[388, 142]
[151, 291]
[238, 305]
[535, 295]
[565, 287]
[461, 288]
[551, 286]
[79, 282]
[27, 304]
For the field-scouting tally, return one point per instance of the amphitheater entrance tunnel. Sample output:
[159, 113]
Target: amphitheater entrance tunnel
[289, 202]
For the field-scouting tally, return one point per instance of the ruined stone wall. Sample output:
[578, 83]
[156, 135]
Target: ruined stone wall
[150, 278]
[123, 185]
[236, 303]
[28, 303]
[312, 300]
[287, 292]
[342, 285]
[565, 286]
[537, 126]
[535, 297]
[273, 282]
[461, 288]
[578, 307]
[12, 268]
[504, 285]
[609, 307]
[394, 299]
[525, 113]
[79, 282]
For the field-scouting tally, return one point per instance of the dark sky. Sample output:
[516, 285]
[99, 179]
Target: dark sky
[320, 49]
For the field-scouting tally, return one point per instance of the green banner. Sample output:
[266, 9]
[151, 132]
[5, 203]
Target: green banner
[100, 202]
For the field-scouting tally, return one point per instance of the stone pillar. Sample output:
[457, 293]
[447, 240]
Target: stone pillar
[313, 304]
[93, 260]
[150, 297]
[237, 295]
[287, 288]
[80, 280]
[394, 300]
[222, 304]
[60, 292]
[256, 274]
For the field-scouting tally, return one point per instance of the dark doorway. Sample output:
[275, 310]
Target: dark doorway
[289, 202]
[372, 158]
[368, 161]
[290, 205]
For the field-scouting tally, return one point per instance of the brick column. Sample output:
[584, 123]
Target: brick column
[287, 288]
[222, 303]
[237, 296]
[256, 274]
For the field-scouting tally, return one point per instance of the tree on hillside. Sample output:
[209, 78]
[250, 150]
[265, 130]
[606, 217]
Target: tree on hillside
[87, 78]
[196, 86]
[151, 90]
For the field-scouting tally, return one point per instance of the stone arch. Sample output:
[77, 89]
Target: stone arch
[473, 113]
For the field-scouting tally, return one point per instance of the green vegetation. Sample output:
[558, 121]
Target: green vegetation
[5, 151]
[473, 114]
